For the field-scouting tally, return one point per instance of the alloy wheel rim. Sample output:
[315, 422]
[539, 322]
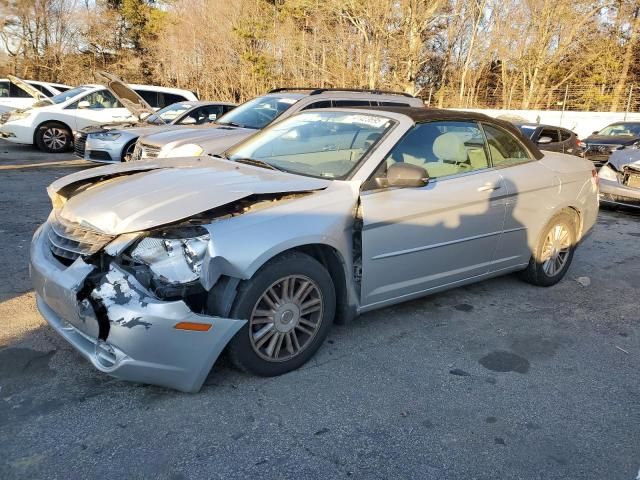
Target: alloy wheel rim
[555, 250]
[286, 318]
[54, 138]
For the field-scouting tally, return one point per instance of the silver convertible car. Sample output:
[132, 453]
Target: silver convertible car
[151, 269]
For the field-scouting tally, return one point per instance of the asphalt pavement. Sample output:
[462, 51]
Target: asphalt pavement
[499, 380]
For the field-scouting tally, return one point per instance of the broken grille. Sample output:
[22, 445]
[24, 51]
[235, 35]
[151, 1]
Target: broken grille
[148, 151]
[69, 241]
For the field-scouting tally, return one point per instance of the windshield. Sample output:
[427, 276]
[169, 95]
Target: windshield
[319, 144]
[527, 131]
[62, 97]
[257, 113]
[621, 130]
[168, 114]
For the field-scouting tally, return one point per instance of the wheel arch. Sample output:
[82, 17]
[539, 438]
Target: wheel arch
[577, 214]
[44, 122]
[331, 259]
[126, 146]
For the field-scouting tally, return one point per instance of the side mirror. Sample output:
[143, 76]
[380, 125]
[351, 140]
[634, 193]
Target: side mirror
[84, 104]
[188, 121]
[595, 133]
[544, 140]
[405, 175]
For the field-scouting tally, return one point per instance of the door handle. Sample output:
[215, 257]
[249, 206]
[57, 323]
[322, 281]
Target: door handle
[489, 187]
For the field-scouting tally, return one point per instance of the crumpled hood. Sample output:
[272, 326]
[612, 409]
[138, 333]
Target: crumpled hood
[611, 140]
[110, 127]
[141, 195]
[193, 135]
[628, 157]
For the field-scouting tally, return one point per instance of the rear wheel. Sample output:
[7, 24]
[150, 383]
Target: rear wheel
[289, 305]
[554, 252]
[53, 137]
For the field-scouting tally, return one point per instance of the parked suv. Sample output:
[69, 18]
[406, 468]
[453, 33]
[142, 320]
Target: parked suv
[551, 138]
[50, 123]
[18, 93]
[113, 143]
[258, 113]
[602, 144]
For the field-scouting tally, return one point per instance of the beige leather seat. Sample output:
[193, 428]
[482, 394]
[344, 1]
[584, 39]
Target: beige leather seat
[447, 147]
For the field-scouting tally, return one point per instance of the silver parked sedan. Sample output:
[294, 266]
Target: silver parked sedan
[114, 143]
[151, 269]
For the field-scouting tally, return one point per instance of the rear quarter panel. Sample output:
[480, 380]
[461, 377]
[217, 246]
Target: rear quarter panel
[539, 190]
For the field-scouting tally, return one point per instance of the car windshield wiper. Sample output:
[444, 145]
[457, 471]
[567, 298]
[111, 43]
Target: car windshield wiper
[233, 124]
[257, 163]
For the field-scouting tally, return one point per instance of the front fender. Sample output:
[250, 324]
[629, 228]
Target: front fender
[241, 245]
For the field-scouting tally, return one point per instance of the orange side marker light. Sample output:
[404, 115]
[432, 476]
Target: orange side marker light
[194, 326]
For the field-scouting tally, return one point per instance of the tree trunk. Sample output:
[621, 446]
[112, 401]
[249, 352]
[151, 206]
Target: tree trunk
[626, 62]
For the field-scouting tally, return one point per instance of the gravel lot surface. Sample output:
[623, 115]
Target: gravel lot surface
[497, 380]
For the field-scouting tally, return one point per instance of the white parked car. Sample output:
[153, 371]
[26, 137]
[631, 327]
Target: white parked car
[50, 124]
[18, 93]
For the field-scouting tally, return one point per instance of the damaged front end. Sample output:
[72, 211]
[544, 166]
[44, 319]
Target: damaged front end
[143, 288]
[620, 179]
[136, 321]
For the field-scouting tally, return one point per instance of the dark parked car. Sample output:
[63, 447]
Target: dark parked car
[600, 145]
[554, 139]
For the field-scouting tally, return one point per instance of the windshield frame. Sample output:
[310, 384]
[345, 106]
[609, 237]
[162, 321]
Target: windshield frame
[62, 97]
[635, 130]
[250, 105]
[392, 125]
[180, 115]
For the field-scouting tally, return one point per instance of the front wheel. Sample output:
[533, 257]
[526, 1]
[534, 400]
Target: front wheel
[554, 252]
[128, 151]
[289, 305]
[53, 137]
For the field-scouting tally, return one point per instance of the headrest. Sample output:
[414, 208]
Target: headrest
[450, 146]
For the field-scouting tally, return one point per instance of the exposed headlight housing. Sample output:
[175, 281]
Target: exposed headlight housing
[106, 136]
[174, 256]
[607, 173]
[19, 115]
[187, 150]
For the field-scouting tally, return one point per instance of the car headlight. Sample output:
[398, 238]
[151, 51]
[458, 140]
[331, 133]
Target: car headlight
[175, 256]
[106, 136]
[607, 173]
[187, 150]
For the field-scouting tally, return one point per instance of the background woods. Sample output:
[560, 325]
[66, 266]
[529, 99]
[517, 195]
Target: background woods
[580, 54]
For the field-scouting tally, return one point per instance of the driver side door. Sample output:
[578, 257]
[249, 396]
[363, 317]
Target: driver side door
[415, 240]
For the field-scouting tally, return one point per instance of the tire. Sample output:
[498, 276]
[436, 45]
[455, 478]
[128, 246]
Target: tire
[550, 262]
[127, 151]
[53, 137]
[274, 318]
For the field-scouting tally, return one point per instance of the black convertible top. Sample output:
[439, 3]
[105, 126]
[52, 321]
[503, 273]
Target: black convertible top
[423, 114]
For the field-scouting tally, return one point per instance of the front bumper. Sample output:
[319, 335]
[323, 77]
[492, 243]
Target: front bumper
[17, 133]
[104, 152]
[612, 192]
[142, 343]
